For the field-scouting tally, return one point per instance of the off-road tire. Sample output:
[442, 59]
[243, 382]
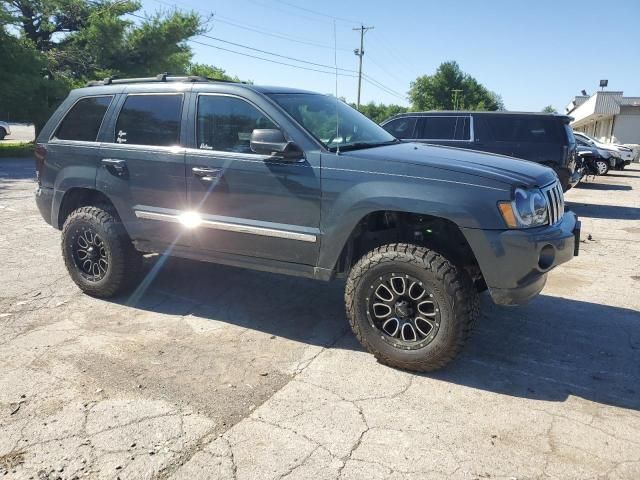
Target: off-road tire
[125, 262]
[451, 286]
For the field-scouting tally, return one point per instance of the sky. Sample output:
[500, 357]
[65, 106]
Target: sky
[533, 54]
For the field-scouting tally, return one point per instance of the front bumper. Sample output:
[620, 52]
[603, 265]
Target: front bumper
[515, 263]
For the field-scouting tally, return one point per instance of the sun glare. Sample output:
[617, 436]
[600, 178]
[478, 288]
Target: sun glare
[190, 219]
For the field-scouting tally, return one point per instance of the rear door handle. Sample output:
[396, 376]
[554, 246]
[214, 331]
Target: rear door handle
[207, 174]
[115, 166]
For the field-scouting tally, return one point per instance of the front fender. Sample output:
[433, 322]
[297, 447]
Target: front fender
[466, 205]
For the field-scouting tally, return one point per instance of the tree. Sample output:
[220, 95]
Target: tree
[549, 109]
[452, 89]
[380, 112]
[209, 71]
[27, 92]
[50, 46]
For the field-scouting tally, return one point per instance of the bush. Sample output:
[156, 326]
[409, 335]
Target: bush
[16, 149]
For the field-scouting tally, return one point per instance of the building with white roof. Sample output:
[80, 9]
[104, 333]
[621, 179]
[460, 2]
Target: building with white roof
[607, 116]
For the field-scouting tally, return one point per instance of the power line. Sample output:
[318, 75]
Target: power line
[370, 79]
[326, 69]
[393, 54]
[382, 86]
[382, 68]
[367, 79]
[252, 28]
[315, 12]
[288, 12]
[269, 59]
[266, 52]
[215, 17]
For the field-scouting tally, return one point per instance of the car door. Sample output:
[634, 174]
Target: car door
[142, 167]
[248, 204]
[75, 143]
[449, 130]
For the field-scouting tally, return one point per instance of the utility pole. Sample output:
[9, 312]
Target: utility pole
[360, 53]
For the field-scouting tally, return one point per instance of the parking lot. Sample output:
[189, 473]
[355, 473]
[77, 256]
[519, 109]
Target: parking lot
[215, 372]
[20, 132]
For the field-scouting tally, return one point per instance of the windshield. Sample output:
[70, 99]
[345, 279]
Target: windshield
[589, 138]
[333, 123]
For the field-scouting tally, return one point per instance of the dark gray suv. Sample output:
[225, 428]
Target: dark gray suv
[539, 137]
[295, 182]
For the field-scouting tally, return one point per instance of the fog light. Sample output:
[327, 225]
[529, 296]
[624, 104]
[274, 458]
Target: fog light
[547, 256]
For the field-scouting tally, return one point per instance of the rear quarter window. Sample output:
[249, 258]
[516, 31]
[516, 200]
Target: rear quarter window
[82, 122]
[525, 129]
[152, 120]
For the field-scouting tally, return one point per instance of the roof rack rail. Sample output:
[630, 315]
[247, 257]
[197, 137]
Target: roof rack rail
[161, 77]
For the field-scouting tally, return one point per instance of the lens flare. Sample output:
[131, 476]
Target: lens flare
[190, 219]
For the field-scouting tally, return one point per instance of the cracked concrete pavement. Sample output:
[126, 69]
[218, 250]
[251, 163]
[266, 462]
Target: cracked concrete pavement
[225, 373]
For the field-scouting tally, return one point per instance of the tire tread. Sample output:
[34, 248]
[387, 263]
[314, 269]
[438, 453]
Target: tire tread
[458, 285]
[125, 261]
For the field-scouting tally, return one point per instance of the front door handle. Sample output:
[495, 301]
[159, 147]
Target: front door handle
[115, 166]
[207, 174]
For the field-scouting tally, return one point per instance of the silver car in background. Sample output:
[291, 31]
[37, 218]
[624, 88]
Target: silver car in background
[5, 130]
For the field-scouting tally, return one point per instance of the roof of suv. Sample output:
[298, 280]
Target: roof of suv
[479, 112]
[163, 78]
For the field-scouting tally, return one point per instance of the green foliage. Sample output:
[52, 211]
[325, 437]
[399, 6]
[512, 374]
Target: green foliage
[12, 150]
[549, 109]
[61, 44]
[380, 112]
[28, 93]
[209, 71]
[452, 89]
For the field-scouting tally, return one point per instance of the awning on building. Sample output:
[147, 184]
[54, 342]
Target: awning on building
[599, 105]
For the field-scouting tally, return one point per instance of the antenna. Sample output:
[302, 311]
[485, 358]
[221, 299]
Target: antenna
[335, 64]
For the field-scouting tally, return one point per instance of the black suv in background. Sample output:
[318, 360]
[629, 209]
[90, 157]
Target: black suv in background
[538, 137]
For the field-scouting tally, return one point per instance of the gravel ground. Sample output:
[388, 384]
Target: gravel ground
[217, 372]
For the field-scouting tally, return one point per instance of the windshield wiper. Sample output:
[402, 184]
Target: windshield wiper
[361, 145]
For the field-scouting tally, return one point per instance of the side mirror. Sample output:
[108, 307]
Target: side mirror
[271, 141]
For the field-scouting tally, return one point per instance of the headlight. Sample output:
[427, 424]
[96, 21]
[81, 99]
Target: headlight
[527, 209]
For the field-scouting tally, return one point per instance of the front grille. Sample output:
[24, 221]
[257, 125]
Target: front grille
[555, 201]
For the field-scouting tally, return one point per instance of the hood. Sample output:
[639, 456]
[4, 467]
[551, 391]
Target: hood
[508, 170]
[585, 150]
[608, 147]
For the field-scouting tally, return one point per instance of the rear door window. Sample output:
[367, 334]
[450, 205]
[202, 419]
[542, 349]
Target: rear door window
[525, 129]
[452, 128]
[83, 121]
[401, 127]
[150, 120]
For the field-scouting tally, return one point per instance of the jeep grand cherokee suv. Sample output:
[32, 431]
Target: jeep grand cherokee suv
[299, 183]
[540, 137]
